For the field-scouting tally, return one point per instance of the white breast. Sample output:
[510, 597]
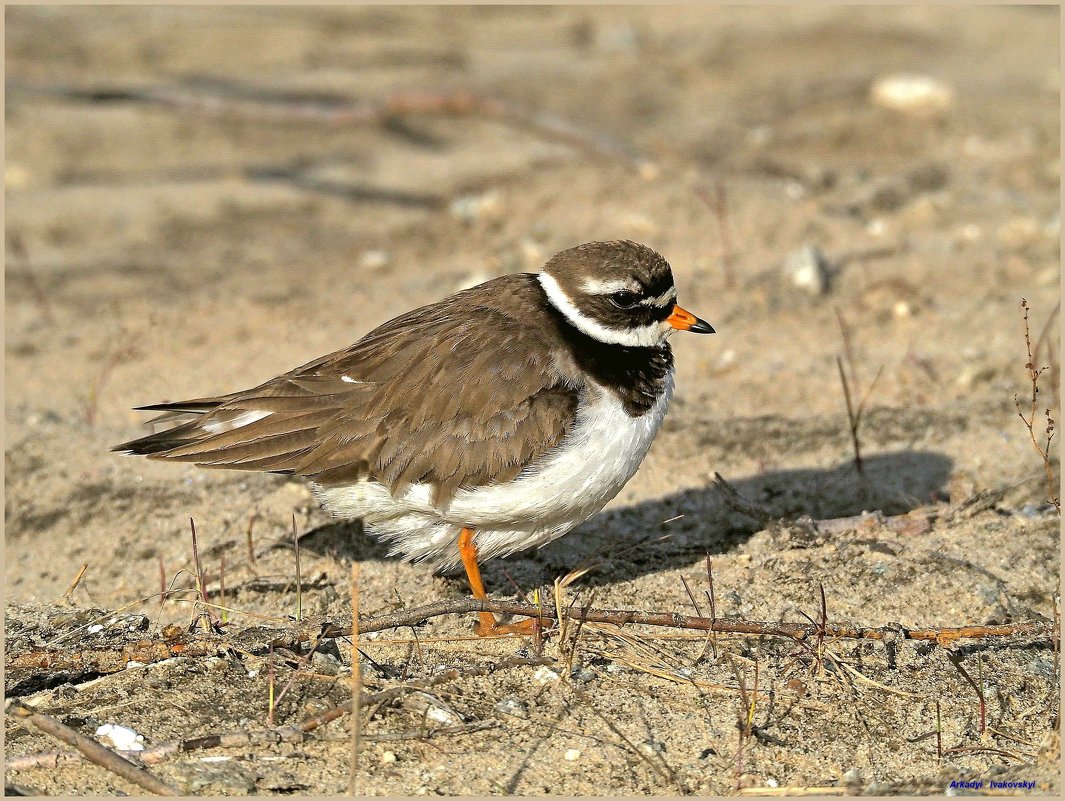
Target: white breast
[588, 468]
[568, 485]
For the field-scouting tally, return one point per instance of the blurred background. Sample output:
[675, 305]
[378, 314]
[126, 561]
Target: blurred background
[201, 198]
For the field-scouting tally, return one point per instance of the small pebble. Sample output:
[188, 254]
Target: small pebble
[512, 707]
[649, 747]
[388, 757]
[375, 259]
[121, 737]
[1033, 510]
[1042, 666]
[326, 664]
[572, 755]
[544, 674]
[726, 359]
[470, 208]
[852, 776]
[807, 270]
[95, 629]
[919, 95]
[441, 715]
[582, 675]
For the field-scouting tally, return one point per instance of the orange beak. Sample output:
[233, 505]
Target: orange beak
[686, 321]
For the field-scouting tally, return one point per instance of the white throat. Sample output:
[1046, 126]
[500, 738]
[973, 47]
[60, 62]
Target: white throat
[647, 336]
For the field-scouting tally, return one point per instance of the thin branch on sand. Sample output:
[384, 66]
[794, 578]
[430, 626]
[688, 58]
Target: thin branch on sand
[93, 751]
[231, 99]
[148, 651]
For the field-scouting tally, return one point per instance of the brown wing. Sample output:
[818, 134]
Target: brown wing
[457, 394]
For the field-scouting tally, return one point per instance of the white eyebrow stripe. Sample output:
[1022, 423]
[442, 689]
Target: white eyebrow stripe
[667, 297]
[597, 286]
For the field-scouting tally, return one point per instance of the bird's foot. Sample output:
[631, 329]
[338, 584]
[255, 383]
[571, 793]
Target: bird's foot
[488, 627]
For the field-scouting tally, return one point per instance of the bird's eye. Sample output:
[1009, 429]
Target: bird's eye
[624, 299]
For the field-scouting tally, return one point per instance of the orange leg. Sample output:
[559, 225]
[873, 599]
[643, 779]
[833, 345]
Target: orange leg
[488, 627]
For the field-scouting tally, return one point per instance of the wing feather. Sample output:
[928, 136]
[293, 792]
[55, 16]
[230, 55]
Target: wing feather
[434, 395]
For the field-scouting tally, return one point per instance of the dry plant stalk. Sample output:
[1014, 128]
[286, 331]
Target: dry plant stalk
[17, 248]
[356, 685]
[77, 580]
[213, 621]
[299, 577]
[718, 203]
[854, 413]
[1034, 372]
[116, 354]
[250, 539]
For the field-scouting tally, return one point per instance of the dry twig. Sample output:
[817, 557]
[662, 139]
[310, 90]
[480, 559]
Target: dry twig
[148, 650]
[93, 751]
[222, 98]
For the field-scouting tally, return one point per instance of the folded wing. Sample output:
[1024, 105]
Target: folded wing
[429, 397]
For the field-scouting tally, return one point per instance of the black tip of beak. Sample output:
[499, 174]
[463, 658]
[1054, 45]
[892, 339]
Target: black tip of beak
[702, 327]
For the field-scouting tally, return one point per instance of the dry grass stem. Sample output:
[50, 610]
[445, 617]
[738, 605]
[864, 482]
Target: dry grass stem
[212, 620]
[299, 577]
[717, 201]
[249, 538]
[77, 580]
[356, 685]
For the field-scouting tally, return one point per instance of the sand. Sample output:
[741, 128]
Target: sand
[159, 252]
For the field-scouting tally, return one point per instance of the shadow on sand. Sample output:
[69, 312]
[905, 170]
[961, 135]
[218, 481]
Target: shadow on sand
[628, 542]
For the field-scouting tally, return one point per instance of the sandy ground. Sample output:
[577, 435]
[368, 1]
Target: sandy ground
[158, 252]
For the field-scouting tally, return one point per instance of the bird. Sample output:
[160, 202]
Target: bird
[489, 422]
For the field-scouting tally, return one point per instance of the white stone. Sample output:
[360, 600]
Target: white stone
[806, 270]
[544, 675]
[121, 737]
[912, 94]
